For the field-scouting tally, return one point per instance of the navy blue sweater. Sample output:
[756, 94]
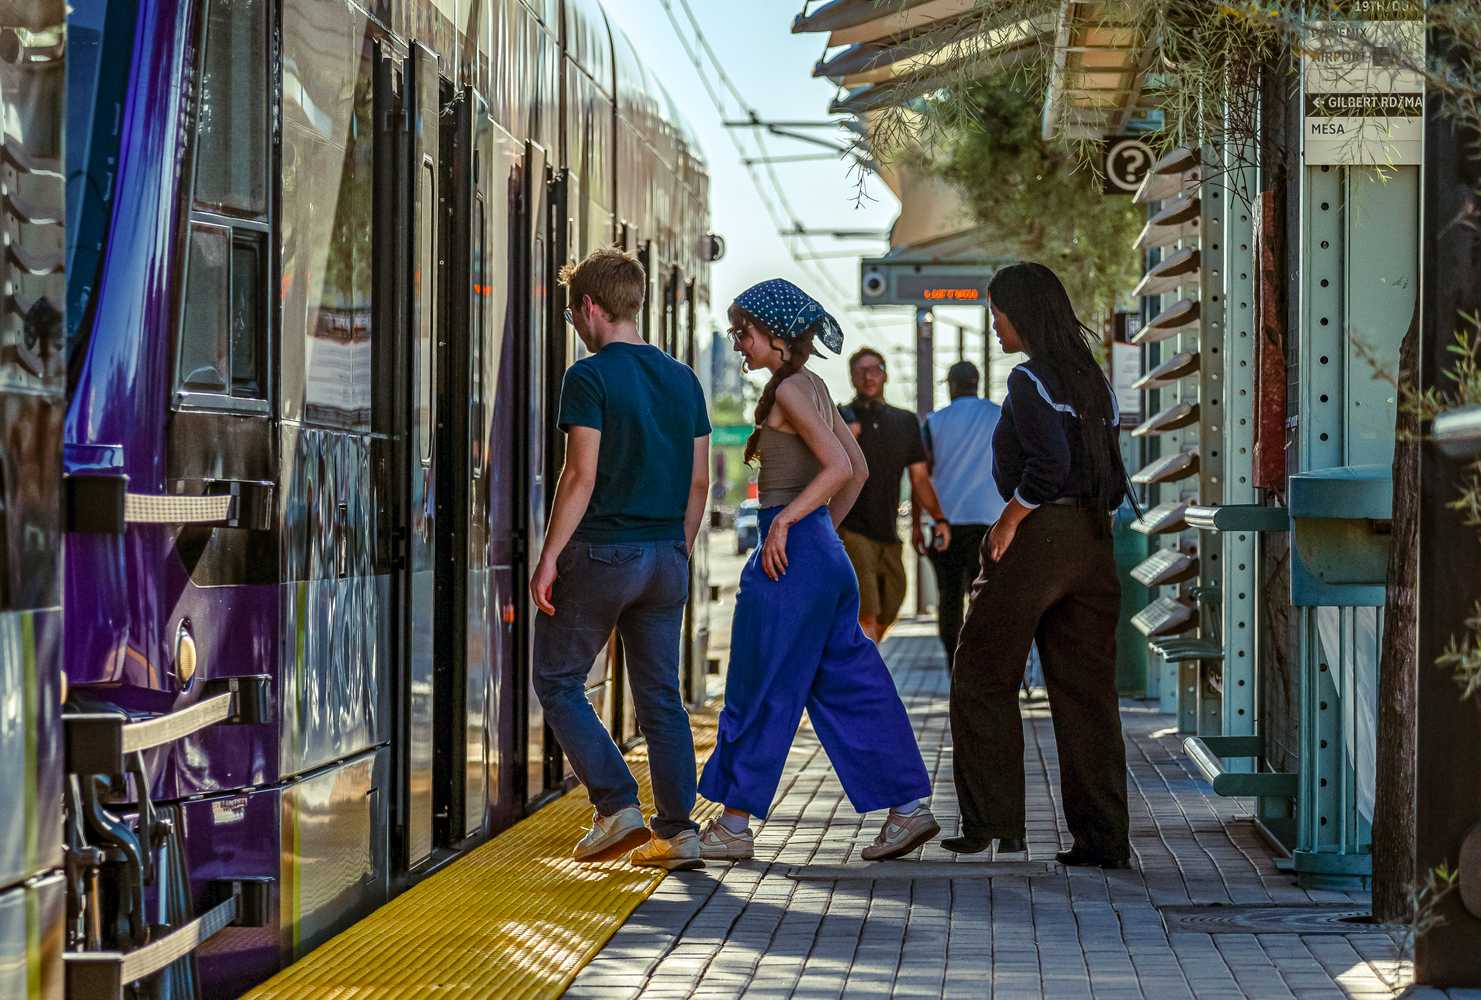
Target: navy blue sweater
[1039, 447]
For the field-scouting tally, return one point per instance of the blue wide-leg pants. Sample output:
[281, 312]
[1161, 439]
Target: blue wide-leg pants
[795, 644]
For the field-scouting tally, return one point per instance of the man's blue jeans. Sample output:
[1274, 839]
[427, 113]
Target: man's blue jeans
[638, 588]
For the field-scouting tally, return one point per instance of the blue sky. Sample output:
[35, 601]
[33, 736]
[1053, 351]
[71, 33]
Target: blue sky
[772, 68]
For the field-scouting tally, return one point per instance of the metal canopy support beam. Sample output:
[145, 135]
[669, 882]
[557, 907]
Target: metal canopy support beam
[1240, 579]
[1214, 208]
[1357, 299]
[1324, 766]
[925, 402]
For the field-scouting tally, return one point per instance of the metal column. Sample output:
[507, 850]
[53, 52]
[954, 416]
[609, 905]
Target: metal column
[925, 402]
[1358, 293]
[1202, 680]
[1239, 557]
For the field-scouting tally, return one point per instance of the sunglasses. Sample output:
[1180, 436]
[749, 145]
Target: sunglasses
[866, 371]
[570, 318]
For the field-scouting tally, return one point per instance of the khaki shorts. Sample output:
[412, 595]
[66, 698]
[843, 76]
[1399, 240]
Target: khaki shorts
[881, 576]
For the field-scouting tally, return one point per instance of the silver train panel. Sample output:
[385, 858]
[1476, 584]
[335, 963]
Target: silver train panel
[14, 940]
[32, 919]
[481, 699]
[327, 333]
[30, 765]
[335, 613]
[334, 849]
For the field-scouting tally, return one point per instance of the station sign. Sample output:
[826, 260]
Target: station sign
[1125, 164]
[1363, 88]
[899, 283]
[730, 435]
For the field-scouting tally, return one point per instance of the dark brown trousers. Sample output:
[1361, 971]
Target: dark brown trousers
[1056, 585]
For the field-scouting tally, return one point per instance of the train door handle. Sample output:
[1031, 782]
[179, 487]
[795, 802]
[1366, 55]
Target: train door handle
[342, 539]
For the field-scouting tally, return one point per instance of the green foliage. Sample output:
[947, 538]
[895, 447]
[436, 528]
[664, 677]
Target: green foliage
[728, 410]
[1424, 904]
[1462, 656]
[1030, 197]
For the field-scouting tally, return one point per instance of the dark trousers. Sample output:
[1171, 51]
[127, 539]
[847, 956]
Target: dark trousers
[639, 589]
[956, 567]
[1056, 584]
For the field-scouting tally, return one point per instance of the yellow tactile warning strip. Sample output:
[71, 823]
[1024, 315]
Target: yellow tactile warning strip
[516, 918]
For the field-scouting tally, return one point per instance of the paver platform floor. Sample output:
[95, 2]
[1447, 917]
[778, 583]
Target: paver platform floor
[749, 930]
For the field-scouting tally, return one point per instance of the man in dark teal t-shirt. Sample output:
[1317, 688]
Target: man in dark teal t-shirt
[649, 410]
[625, 516]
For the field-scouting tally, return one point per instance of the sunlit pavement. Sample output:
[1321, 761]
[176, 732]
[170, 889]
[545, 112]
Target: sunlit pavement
[750, 930]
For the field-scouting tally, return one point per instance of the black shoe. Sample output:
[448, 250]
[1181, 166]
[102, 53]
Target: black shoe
[1012, 845]
[1079, 857]
[967, 845]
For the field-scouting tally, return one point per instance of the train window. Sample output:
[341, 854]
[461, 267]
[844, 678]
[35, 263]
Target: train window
[204, 346]
[231, 117]
[222, 354]
[426, 282]
[247, 324]
[480, 305]
[221, 332]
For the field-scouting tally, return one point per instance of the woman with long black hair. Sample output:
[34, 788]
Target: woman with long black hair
[1048, 574]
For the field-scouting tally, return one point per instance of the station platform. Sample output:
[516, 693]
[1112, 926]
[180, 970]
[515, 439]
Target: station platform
[517, 918]
[1205, 913]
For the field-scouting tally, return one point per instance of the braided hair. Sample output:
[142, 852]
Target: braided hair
[801, 350]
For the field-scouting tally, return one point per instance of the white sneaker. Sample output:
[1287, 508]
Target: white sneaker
[679, 853]
[716, 843]
[610, 837]
[901, 834]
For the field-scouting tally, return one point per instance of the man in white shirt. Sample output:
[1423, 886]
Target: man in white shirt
[958, 441]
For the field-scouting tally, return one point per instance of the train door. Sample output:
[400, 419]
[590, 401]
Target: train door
[535, 748]
[697, 612]
[464, 651]
[422, 101]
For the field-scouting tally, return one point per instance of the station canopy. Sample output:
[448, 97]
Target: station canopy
[886, 56]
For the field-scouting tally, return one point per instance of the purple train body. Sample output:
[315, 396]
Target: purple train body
[270, 490]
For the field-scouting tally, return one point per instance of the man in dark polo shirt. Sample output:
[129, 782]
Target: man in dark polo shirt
[891, 441]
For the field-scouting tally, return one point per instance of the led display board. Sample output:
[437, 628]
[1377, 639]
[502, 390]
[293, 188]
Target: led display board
[896, 283]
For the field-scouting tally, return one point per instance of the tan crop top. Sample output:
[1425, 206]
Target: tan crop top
[787, 463]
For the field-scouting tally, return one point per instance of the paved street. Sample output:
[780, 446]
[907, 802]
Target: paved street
[751, 930]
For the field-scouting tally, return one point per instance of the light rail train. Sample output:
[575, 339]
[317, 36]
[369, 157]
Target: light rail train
[279, 359]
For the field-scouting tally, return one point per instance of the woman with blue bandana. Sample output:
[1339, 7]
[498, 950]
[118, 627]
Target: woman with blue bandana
[796, 641]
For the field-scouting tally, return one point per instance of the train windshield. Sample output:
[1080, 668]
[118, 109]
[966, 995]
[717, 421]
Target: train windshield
[100, 44]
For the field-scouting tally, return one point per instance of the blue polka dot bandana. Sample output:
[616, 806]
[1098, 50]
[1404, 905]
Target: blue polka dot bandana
[788, 312]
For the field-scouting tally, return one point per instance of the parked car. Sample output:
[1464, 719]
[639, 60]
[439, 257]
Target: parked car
[747, 530]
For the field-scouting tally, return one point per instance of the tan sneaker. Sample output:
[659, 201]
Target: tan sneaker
[718, 844]
[679, 853]
[901, 834]
[610, 837]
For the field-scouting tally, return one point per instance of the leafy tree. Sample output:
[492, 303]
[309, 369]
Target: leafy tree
[1033, 198]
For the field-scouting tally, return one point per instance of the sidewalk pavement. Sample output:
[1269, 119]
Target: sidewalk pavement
[749, 930]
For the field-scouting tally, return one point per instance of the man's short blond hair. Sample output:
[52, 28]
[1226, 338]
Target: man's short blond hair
[613, 278]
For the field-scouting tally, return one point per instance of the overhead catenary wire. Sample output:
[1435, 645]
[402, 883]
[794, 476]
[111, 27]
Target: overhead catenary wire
[778, 207]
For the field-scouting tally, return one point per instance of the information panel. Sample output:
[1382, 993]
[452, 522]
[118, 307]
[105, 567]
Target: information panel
[896, 283]
[1363, 100]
